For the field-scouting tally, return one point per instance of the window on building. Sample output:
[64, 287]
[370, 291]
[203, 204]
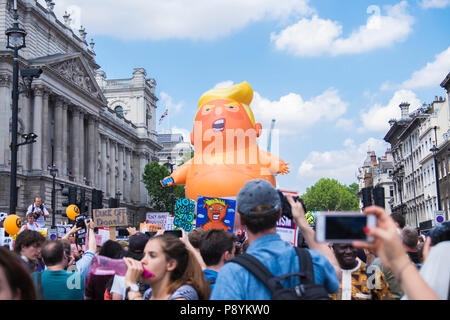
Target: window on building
[119, 110]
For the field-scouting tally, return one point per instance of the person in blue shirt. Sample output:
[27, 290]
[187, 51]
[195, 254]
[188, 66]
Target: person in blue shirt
[216, 248]
[259, 208]
[55, 283]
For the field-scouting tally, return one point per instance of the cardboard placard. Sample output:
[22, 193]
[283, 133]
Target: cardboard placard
[184, 214]
[110, 217]
[156, 218]
[147, 227]
[216, 213]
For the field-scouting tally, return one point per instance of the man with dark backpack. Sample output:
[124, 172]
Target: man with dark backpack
[271, 267]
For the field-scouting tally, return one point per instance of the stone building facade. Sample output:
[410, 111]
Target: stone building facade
[92, 145]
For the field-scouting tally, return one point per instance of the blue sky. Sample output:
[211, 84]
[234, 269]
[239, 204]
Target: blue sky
[331, 73]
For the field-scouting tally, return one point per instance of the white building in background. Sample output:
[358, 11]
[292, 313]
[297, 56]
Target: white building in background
[75, 113]
[375, 173]
[175, 149]
[414, 174]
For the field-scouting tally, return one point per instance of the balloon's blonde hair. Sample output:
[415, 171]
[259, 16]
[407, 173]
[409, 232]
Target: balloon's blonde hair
[242, 93]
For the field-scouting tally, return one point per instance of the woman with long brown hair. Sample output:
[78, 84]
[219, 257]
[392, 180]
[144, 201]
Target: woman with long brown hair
[170, 268]
[15, 280]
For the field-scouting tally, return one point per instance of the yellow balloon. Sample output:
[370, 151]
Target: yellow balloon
[72, 212]
[12, 224]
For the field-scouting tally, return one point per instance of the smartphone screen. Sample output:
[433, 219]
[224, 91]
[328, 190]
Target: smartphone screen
[345, 227]
[176, 233]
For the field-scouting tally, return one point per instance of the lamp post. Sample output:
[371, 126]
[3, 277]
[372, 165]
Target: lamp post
[435, 150]
[53, 171]
[118, 194]
[169, 166]
[399, 178]
[16, 41]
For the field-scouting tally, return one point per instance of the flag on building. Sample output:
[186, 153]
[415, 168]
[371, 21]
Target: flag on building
[163, 115]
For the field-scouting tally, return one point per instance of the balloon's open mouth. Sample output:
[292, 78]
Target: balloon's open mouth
[219, 125]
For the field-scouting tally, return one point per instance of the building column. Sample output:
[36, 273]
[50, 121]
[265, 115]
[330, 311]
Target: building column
[75, 151]
[46, 158]
[82, 163]
[25, 116]
[64, 132]
[142, 190]
[112, 164]
[127, 193]
[36, 154]
[91, 151]
[58, 136]
[104, 164]
[5, 111]
[120, 166]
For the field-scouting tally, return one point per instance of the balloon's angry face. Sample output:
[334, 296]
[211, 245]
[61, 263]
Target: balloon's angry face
[223, 114]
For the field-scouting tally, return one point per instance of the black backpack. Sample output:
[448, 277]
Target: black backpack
[306, 290]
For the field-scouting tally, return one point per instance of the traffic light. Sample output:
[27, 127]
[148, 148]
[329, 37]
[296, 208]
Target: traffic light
[366, 196]
[378, 196]
[113, 203]
[97, 199]
[82, 204]
[71, 194]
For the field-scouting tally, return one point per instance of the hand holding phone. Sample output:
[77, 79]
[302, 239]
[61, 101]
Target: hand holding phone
[167, 182]
[344, 227]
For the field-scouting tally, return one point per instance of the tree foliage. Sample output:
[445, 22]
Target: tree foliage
[329, 194]
[160, 198]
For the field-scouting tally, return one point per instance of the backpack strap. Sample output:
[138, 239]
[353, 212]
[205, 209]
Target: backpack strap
[306, 265]
[255, 267]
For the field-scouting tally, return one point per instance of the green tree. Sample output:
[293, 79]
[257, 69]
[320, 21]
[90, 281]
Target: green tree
[354, 188]
[160, 198]
[329, 194]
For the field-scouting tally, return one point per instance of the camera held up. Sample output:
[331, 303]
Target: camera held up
[286, 207]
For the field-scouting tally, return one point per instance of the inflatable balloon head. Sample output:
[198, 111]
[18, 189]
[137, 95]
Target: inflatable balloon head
[226, 152]
[72, 212]
[12, 224]
[226, 109]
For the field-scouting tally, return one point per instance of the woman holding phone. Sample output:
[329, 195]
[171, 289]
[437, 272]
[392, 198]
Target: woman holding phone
[388, 246]
[171, 270]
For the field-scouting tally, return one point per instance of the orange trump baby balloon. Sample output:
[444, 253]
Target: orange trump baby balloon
[226, 152]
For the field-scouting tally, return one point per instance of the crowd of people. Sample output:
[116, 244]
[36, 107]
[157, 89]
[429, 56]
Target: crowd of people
[217, 265]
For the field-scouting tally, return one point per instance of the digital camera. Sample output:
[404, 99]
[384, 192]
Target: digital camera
[286, 207]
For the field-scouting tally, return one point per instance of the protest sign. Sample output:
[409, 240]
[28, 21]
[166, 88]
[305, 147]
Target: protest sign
[148, 227]
[216, 213]
[156, 218]
[169, 223]
[110, 217]
[287, 230]
[184, 214]
[62, 229]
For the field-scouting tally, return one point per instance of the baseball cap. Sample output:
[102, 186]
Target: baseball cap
[136, 245]
[258, 192]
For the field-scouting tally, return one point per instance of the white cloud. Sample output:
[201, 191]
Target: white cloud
[432, 74]
[316, 36]
[378, 116]
[427, 4]
[167, 102]
[294, 115]
[181, 19]
[339, 164]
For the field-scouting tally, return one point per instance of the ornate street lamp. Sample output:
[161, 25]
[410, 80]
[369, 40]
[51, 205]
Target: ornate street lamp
[16, 41]
[435, 150]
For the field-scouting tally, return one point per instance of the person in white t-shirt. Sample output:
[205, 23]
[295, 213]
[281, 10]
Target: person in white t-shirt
[40, 210]
[31, 223]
